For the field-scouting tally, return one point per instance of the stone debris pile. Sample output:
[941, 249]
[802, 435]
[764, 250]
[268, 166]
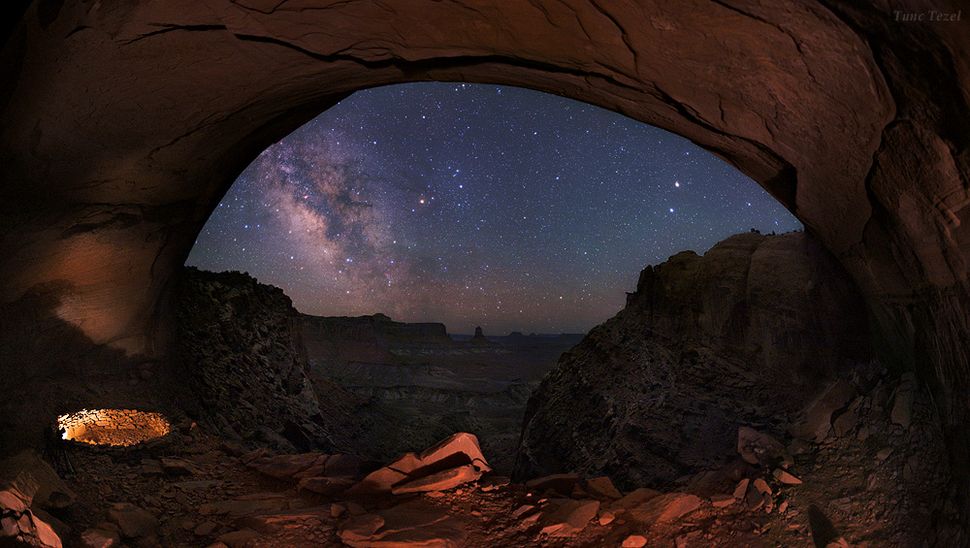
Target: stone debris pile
[29, 487]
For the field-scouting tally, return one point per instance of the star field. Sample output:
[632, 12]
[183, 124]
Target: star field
[475, 205]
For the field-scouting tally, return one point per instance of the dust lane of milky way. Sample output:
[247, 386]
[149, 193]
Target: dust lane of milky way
[475, 205]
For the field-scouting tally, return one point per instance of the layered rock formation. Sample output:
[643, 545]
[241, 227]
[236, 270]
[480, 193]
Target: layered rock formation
[742, 335]
[367, 339]
[241, 354]
[851, 117]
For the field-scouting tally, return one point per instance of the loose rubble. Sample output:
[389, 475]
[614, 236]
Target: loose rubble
[868, 480]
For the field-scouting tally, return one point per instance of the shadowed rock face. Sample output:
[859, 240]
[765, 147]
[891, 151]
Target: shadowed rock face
[241, 353]
[124, 123]
[744, 335]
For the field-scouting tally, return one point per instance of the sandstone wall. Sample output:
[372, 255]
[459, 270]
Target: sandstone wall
[241, 354]
[124, 123]
[743, 335]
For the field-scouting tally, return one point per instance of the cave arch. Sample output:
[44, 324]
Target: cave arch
[123, 125]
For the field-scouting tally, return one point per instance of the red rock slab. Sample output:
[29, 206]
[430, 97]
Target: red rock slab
[461, 442]
[440, 481]
[317, 517]
[288, 467]
[456, 450]
[602, 488]
[786, 477]
[634, 541]
[568, 517]
[416, 523]
[379, 481]
[722, 501]
[12, 499]
[741, 489]
[634, 498]
[665, 508]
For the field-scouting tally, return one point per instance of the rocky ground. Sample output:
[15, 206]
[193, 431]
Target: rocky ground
[859, 468]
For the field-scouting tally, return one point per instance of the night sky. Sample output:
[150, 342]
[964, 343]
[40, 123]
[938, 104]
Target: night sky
[475, 205]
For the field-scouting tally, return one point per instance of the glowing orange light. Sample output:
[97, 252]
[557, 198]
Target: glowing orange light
[115, 427]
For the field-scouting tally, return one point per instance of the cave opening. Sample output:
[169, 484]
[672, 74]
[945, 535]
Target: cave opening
[124, 124]
[444, 243]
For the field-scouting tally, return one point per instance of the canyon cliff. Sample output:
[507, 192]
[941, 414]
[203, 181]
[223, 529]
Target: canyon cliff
[241, 350]
[745, 334]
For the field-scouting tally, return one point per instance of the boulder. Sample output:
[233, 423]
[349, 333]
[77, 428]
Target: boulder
[602, 488]
[33, 477]
[18, 524]
[456, 451]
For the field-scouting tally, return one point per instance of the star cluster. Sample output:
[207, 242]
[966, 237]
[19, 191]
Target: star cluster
[475, 205]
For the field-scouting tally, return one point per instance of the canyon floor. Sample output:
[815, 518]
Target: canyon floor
[873, 476]
[420, 393]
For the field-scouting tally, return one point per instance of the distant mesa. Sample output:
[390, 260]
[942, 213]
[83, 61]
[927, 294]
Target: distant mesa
[479, 337]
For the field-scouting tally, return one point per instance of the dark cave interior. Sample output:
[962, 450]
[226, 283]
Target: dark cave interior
[827, 369]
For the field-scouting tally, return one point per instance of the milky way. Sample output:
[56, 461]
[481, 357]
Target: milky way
[475, 205]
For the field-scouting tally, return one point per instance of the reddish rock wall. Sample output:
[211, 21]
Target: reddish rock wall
[123, 124]
[744, 335]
